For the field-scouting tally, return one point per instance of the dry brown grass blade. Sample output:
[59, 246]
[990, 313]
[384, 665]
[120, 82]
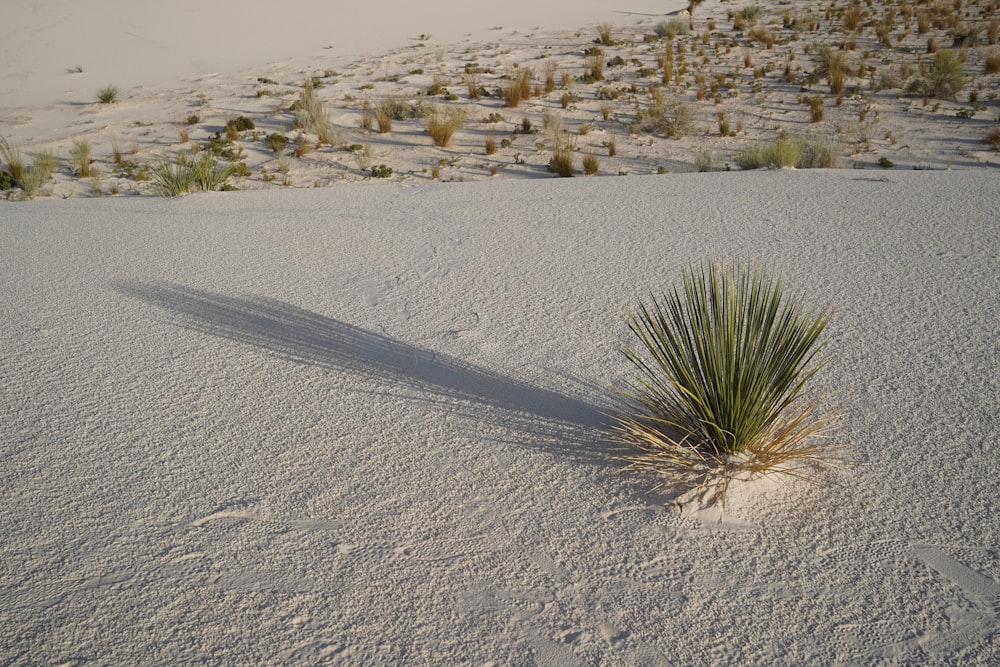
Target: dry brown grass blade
[796, 447]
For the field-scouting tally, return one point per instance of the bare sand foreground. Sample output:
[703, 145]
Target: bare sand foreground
[358, 425]
[361, 424]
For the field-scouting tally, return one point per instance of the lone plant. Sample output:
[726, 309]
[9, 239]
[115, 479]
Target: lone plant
[108, 94]
[722, 368]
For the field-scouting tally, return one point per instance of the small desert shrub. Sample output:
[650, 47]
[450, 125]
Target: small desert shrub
[302, 146]
[518, 87]
[816, 109]
[751, 12]
[885, 163]
[550, 76]
[439, 86]
[722, 370]
[705, 160]
[992, 63]
[171, 179]
[208, 173]
[79, 155]
[945, 77]
[192, 119]
[381, 171]
[383, 117]
[604, 33]
[612, 146]
[672, 28]
[491, 145]
[853, 17]
[674, 120]
[595, 65]
[16, 173]
[311, 115]
[819, 153]
[442, 125]
[590, 164]
[276, 141]
[108, 94]
[562, 161]
[240, 124]
[783, 152]
[993, 137]
[472, 86]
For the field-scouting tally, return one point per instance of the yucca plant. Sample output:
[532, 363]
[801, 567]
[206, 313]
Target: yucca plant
[723, 364]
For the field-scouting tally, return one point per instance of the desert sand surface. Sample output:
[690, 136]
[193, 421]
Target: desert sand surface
[365, 423]
[661, 102]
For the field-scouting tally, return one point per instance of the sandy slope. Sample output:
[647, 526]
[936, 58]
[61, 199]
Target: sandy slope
[357, 425]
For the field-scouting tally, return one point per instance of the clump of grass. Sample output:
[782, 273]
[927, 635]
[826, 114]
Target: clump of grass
[170, 179]
[108, 94]
[819, 153]
[442, 125]
[595, 65]
[311, 115]
[16, 173]
[518, 87]
[783, 152]
[722, 370]
[674, 119]
[816, 109]
[275, 141]
[383, 117]
[705, 160]
[590, 164]
[491, 144]
[561, 162]
[612, 146]
[834, 66]
[991, 64]
[604, 33]
[302, 146]
[670, 29]
[79, 155]
[853, 16]
[945, 77]
[993, 137]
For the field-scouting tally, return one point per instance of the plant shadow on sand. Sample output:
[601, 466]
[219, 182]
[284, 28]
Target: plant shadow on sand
[529, 415]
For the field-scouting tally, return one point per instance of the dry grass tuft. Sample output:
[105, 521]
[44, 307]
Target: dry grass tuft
[442, 125]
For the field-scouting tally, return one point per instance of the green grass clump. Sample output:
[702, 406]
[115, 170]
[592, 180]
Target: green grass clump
[16, 173]
[945, 77]
[79, 155]
[108, 94]
[184, 175]
[240, 124]
[672, 28]
[311, 115]
[785, 151]
[722, 367]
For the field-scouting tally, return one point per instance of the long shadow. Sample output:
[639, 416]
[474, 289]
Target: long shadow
[545, 419]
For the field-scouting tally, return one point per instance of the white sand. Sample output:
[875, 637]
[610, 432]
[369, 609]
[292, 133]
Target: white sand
[357, 425]
[141, 43]
[360, 424]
